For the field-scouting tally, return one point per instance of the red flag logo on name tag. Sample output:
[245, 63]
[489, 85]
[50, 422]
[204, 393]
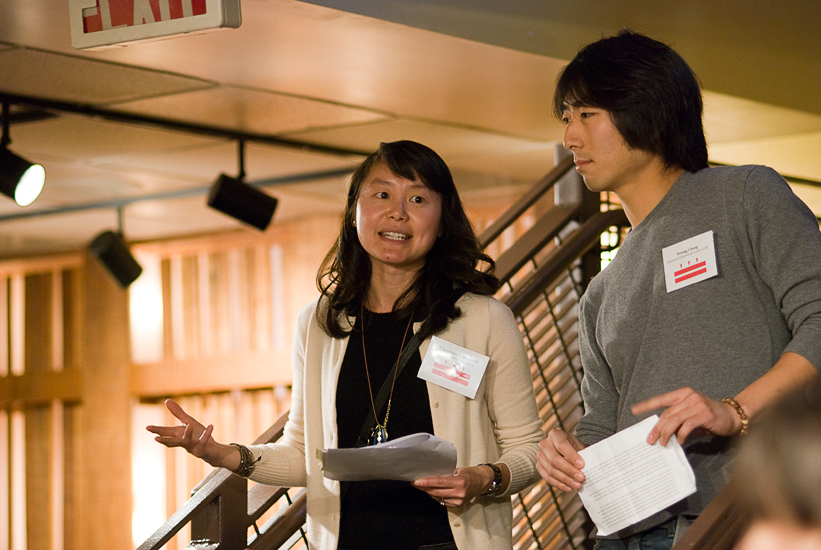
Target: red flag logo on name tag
[690, 271]
[451, 373]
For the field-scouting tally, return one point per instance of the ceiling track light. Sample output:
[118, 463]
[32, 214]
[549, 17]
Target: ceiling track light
[234, 197]
[20, 179]
[112, 251]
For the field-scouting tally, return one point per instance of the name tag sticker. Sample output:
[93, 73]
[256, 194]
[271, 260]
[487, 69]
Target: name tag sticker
[690, 261]
[453, 367]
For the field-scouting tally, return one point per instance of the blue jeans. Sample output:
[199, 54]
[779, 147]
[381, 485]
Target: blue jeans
[661, 537]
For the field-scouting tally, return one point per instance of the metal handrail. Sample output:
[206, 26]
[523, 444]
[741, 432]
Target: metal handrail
[562, 257]
[222, 509]
[526, 201]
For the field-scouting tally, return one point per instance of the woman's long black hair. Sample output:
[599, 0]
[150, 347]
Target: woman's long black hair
[452, 266]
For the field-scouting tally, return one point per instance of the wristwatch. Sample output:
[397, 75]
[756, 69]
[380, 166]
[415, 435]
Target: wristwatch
[496, 484]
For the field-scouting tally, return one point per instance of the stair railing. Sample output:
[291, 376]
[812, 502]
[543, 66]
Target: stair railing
[221, 510]
[719, 525]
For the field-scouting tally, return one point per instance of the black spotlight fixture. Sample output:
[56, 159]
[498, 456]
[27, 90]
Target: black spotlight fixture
[20, 179]
[239, 200]
[112, 251]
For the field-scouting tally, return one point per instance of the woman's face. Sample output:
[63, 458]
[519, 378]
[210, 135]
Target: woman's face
[397, 220]
[766, 535]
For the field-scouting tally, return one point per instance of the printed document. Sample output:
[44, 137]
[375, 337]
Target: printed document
[407, 459]
[628, 480]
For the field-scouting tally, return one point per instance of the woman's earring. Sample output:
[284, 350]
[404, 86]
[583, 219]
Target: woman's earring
[354, 223]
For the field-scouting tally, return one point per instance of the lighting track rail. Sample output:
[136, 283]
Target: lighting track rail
[46, 108]
[182, 193]
[170, 124]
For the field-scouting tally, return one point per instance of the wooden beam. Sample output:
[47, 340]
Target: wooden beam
[212, 374]
[40, 388]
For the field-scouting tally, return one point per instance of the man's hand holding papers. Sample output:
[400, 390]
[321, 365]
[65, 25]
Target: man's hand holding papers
[628, 480]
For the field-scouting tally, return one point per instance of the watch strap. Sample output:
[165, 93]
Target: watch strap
[496, 484]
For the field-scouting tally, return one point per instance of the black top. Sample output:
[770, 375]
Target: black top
[385, 514]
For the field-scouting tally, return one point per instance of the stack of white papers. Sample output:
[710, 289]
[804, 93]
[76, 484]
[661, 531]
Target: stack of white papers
[407, 459]
[627, 480]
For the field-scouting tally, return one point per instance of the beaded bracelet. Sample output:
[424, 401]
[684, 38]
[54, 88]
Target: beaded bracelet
[246, 461]
[744, 421]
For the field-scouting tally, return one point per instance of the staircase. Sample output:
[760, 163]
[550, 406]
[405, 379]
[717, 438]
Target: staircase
[544, 273]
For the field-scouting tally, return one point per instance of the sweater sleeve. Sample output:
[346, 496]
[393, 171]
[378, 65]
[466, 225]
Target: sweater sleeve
[283, 463]
[511, 402]
[598, 389]
[786, 246]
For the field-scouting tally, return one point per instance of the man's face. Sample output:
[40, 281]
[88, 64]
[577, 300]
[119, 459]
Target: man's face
[602, 157]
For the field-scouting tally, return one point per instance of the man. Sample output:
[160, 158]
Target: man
[711, 309]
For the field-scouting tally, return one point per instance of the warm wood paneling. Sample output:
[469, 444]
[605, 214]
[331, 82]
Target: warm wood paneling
[38, 322]
[38, 502]
[214, 374]
[41, 387]
[105, 434]
[74, 532]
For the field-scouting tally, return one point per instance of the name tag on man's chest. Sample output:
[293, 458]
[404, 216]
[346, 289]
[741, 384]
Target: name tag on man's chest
[690, 261]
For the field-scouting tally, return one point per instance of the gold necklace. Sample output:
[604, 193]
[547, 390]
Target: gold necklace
[379, 434]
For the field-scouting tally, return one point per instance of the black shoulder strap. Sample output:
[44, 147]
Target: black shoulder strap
[382, 396]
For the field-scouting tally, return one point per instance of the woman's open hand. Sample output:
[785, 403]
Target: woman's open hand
[195, 438]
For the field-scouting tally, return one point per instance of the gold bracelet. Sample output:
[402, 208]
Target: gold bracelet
[744, 421]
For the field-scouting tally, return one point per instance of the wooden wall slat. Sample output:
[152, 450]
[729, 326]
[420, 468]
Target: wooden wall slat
[73, 490]
[57, 321]
[17, 323]
[105, 430]
[38, 502]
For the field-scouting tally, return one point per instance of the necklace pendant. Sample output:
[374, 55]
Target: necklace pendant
[378, 435]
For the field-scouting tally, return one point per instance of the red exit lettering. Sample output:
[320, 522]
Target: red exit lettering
[110, 14]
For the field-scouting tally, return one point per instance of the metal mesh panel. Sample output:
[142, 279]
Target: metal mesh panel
[545, 518]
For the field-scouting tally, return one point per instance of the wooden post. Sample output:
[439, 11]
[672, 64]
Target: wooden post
[222, 522]
[105, 430]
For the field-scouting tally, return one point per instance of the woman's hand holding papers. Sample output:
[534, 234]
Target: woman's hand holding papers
[463, 486]
[559, 462]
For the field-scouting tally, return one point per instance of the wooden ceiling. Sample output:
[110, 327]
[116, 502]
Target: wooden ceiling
[471, 78]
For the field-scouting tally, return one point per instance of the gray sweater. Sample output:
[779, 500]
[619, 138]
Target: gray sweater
[716, 336]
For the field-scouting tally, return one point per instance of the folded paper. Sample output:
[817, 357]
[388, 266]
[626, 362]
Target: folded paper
[407, 459]
[628, 480]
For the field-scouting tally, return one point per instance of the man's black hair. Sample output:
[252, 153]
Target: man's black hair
[652, 94]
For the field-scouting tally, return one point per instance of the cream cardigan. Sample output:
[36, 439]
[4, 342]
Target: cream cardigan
[500, 425]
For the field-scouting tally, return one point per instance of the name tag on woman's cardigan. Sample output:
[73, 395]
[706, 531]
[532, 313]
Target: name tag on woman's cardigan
[453, 367]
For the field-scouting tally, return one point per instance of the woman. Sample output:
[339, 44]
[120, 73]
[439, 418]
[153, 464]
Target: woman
[779, 475]
[406, 263]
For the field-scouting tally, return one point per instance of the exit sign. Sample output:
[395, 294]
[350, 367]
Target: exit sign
[104, 24]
